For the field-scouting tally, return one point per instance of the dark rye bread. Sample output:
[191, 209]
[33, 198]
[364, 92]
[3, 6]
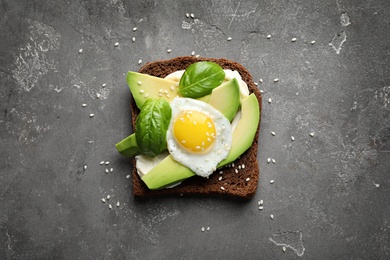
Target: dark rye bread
[232, 184]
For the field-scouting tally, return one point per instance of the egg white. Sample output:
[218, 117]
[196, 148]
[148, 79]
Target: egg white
[202, 164]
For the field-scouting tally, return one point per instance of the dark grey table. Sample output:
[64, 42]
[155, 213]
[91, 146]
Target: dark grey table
[331, 190]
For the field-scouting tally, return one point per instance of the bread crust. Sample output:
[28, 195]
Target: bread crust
[234, 184]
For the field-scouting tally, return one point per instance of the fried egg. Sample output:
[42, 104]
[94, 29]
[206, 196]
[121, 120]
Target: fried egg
[199, 136]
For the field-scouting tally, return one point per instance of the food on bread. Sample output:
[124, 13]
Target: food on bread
[204, 94]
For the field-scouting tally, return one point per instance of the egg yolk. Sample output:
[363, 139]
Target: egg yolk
[195, 131]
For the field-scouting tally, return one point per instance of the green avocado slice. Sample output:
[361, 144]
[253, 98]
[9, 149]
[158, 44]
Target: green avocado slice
[128, 146]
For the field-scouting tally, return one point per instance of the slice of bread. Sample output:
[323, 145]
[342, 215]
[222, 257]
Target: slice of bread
[240, 179]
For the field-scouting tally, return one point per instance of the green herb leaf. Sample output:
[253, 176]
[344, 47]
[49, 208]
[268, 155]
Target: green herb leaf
[200, 78]
[152, 125]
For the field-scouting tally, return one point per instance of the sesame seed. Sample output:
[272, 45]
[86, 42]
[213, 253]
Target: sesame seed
[276, 80]
[208, 228]
[261, 80]
[133, 39]
[169, 50]
[116, 44]
[268, 160]
[312, 134]
[312, 42]
[222, 188]
[261, 208]
[108, 197]
[247, 179]
[139, 82]
[292, 138]
[284, 249]
[256, 84]
[141, 91]
[261, 202]
[91, 115]
[192, 16]
[187, 15]
[273, 133]
[102, 162]
[139, 62]
[202, 229]
[135, 29]
[271, 181]
[85, 167]
[98, 95]
[197, 56]
[229, 38]
[104, 85]
[193, 53]
[232, 164]
[235, 170]
[261, 91]
[294, 39]
[81, 50]
[118, 204]
[107, 163]
[269, 100]
[243, 166]
[271, 216]
[220, 172]
[239, 167]
[220, 178]
[109, 206]
[84, 105]
[111, 169]
[103, 200]
[269, 36]
[106, 170]
[146, 95]
[273, 161]
[128, 176]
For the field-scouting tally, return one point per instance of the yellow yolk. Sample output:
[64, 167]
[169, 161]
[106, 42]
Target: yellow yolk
[195, 131]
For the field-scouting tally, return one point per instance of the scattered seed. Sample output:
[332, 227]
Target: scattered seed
[98, 95]
[135, 29]
[139, 82]
[269, 100]
[292, 138]
[273, 161]
[256, 84]
[202, 229]
[103, 200]
[187, 15]
[222, 188]
[261, 80]
[108, 197]
[376, 185]
[118, 204]
[107, 163]
[261, 208]
[271, 181]
[139, 62]
[220, 172]
[269, 36]
[271, 216]
[106, 171]
[197, 56]
[102, 162]
[81, 50]
[284, 249]
[243, 166]
[111, 169]
[247, 179]
[128, 176]
[268, 160]
[261, 91]
[116, 44]
[104, 85]
[133, 39]
[91, 115]
[192, 16]
[85, 167]
[276, 80]
[294, 39]
[193, 53]
[261, 202]
[84, 105]
[229, 38]
[235, 170]
[169, 50]
[312, 134]
[273, 133]
[208, 228]
[312, 42]
[109, 206]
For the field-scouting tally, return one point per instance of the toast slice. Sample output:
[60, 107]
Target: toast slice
[240, 179]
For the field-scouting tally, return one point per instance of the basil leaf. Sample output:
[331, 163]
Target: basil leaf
[200, 78]
[152, 125]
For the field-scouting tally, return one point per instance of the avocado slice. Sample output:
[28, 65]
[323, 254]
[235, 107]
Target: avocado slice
[169, 172]
[226, 98]
[128, 146]
[166, 173]
[245, 130]
[143, 86]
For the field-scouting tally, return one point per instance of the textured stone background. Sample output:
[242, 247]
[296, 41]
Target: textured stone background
[330, 198]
